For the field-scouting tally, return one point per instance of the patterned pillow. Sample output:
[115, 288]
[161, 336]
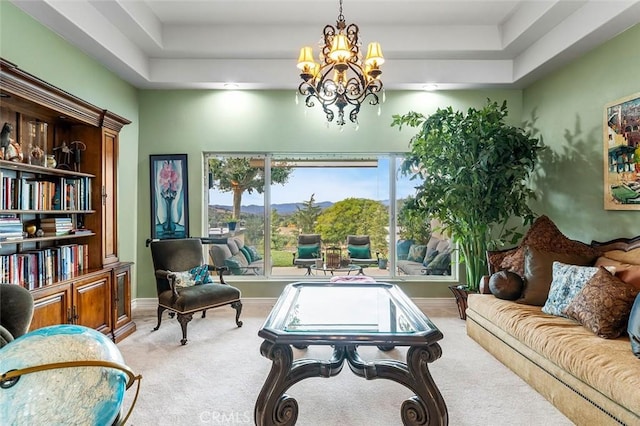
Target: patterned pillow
[567, 282]
[604, 304]
[429, 256]
[194, 276]
[545, 235]
[234, 265]
[254, 253]
[416, 253]
[625, 271]
[441, 263]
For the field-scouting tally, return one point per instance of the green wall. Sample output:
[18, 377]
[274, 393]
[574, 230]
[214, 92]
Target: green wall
[193, 121]
[44, 54]
[568, 108]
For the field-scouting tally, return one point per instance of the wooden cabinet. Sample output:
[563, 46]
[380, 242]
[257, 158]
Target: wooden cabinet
[122, 321]
[84, 140]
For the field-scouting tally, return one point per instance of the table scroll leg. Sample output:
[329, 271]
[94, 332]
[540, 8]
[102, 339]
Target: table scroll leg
[427, 407]
[273, 406]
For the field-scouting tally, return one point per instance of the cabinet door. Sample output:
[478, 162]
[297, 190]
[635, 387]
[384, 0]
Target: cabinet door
[122, 321]
[52, 306]
[109, 196]
[92, 302]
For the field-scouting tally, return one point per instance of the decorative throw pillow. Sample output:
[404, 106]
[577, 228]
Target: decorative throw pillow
[441, 263]
[566, 283]
[604, 304]
[359, 252]
[633, 328]
[429, 256]
[194, 276]
[308, 251]
[506, 285]
[402, 248]
[416, 253]
[538, 273]
[245, 251]
[234, 265]
[545, 235]
[254, 253]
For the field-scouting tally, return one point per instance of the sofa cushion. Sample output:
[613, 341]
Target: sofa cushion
[441, 264]
[538, 273]
[506, 285]
[428, 257]
[633, 328]
[606, 365]
[545, 235]
[233, 246]
[604, 304]
[402, 248]
[417, 253]
[566, 283]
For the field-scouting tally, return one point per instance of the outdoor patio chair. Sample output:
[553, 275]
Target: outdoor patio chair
[309, 249]
[359, 249]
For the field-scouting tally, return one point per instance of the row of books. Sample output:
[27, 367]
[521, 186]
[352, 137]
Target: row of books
[37, 268]
[53, 194]
[10, 227]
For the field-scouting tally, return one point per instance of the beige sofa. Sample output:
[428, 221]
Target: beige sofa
[592, 380]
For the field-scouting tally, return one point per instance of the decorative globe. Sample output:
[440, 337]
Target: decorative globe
[85, 395]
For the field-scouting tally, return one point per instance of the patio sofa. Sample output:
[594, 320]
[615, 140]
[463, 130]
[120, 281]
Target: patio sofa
[590, 379]
[433, 258]
[239, 258]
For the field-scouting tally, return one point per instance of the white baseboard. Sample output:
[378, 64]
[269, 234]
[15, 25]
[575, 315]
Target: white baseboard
[148, 305]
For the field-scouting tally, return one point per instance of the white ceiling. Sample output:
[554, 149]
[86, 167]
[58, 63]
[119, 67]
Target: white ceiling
[255, 43]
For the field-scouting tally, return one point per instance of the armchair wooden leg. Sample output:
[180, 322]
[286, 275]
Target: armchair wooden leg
[161, 309]
[238, 307]
[204, 313]
[184, 319]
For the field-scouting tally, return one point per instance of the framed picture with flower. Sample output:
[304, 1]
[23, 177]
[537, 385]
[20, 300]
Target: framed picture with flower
[169, 196]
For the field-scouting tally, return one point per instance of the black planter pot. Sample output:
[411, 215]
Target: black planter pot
[460, 292]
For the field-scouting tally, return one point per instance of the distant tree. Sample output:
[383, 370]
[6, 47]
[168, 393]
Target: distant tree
[355, 216]
[238, 176]
[305, 218]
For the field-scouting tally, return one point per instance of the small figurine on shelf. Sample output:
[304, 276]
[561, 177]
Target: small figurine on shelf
[63, 154]
[77, 147]
[10, 149]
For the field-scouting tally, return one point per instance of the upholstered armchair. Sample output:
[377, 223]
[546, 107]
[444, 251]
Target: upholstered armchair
[16, 312]
[184, 285]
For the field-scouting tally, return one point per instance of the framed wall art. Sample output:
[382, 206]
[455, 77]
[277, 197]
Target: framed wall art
[622, 154]
[169, 196]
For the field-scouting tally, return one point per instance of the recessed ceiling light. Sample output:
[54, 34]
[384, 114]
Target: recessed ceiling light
[430, 87]
[231, 86]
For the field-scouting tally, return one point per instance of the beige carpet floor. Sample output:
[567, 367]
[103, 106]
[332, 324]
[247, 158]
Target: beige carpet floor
[216, 377]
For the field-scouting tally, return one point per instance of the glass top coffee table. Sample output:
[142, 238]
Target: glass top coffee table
[345, 316]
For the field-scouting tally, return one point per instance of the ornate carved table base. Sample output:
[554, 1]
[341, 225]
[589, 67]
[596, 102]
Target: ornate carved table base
[426, 407]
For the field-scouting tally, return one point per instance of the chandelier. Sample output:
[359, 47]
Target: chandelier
[341, 79]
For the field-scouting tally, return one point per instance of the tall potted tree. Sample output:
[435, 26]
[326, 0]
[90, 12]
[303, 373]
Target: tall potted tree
[474, 170]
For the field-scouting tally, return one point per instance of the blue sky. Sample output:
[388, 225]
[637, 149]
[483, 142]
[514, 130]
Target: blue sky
[328, 184]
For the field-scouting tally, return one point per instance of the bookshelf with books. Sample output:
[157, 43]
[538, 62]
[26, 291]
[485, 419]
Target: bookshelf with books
[58, 222]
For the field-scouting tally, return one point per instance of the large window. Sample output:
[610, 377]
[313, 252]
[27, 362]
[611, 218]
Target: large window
[299, 212]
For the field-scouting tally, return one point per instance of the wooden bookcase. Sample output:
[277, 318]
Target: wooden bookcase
[93, 289]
